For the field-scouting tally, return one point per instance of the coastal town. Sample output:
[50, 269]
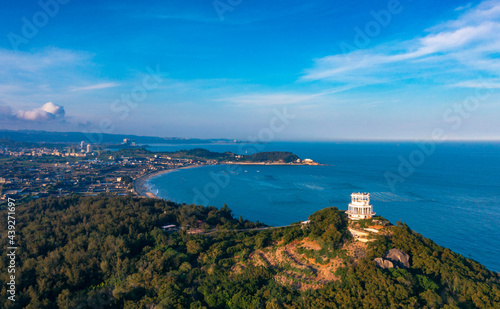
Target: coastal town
[31, 171]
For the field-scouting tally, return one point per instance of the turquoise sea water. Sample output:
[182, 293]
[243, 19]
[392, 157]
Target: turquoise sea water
[450, 194]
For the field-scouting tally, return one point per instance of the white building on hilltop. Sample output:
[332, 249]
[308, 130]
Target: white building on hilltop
[360, 207]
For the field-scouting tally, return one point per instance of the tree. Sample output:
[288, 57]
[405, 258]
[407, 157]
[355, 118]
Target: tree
[330, 226]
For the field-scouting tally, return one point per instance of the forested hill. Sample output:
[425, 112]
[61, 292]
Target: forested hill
[272, 156]
[106, 252]
[204, 154]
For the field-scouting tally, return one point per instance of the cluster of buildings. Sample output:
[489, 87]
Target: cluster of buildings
[23, 179]
[40, 172]
[83, 150]
[38, 152]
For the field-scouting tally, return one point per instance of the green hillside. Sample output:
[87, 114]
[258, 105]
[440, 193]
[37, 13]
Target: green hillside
[112, 253]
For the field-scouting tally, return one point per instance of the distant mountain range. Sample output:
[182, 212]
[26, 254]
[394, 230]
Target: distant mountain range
[77, 137]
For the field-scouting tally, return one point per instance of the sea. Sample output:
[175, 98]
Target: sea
[449, 192]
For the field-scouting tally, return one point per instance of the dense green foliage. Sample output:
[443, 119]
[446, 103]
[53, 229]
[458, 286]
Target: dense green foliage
[330, 227]
[272, 156]
[204, 154]
[110, 253]
[201, 153]
[133, 152]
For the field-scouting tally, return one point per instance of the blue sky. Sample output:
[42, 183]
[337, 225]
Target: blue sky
[226, 68]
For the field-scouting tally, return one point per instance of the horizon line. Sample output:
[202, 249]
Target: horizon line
[286, 140]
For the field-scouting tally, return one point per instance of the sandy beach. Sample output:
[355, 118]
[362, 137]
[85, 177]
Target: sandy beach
[140, 183]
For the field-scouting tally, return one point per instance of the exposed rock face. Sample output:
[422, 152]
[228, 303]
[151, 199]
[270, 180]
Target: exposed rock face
[384, 263]
[394, 258]
[398, 257]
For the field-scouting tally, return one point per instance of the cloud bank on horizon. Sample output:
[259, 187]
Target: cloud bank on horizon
[385, 69]
[47, 112]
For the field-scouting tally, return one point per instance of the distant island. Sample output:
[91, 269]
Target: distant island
[128, 252]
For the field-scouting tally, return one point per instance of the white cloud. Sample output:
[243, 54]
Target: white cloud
[49, 111]
[464, 7]
[43, 74]
[470, 44]
[486, 10]
[483, 84]
[282, 98]
[15, 62]
[96, 87]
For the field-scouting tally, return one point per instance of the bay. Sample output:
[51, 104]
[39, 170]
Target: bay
[449, 192]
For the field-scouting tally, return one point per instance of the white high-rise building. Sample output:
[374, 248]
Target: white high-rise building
[360, 207]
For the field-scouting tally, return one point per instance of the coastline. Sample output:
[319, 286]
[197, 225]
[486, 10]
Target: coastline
[140, 183]
[273, 163]
[143, 191]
